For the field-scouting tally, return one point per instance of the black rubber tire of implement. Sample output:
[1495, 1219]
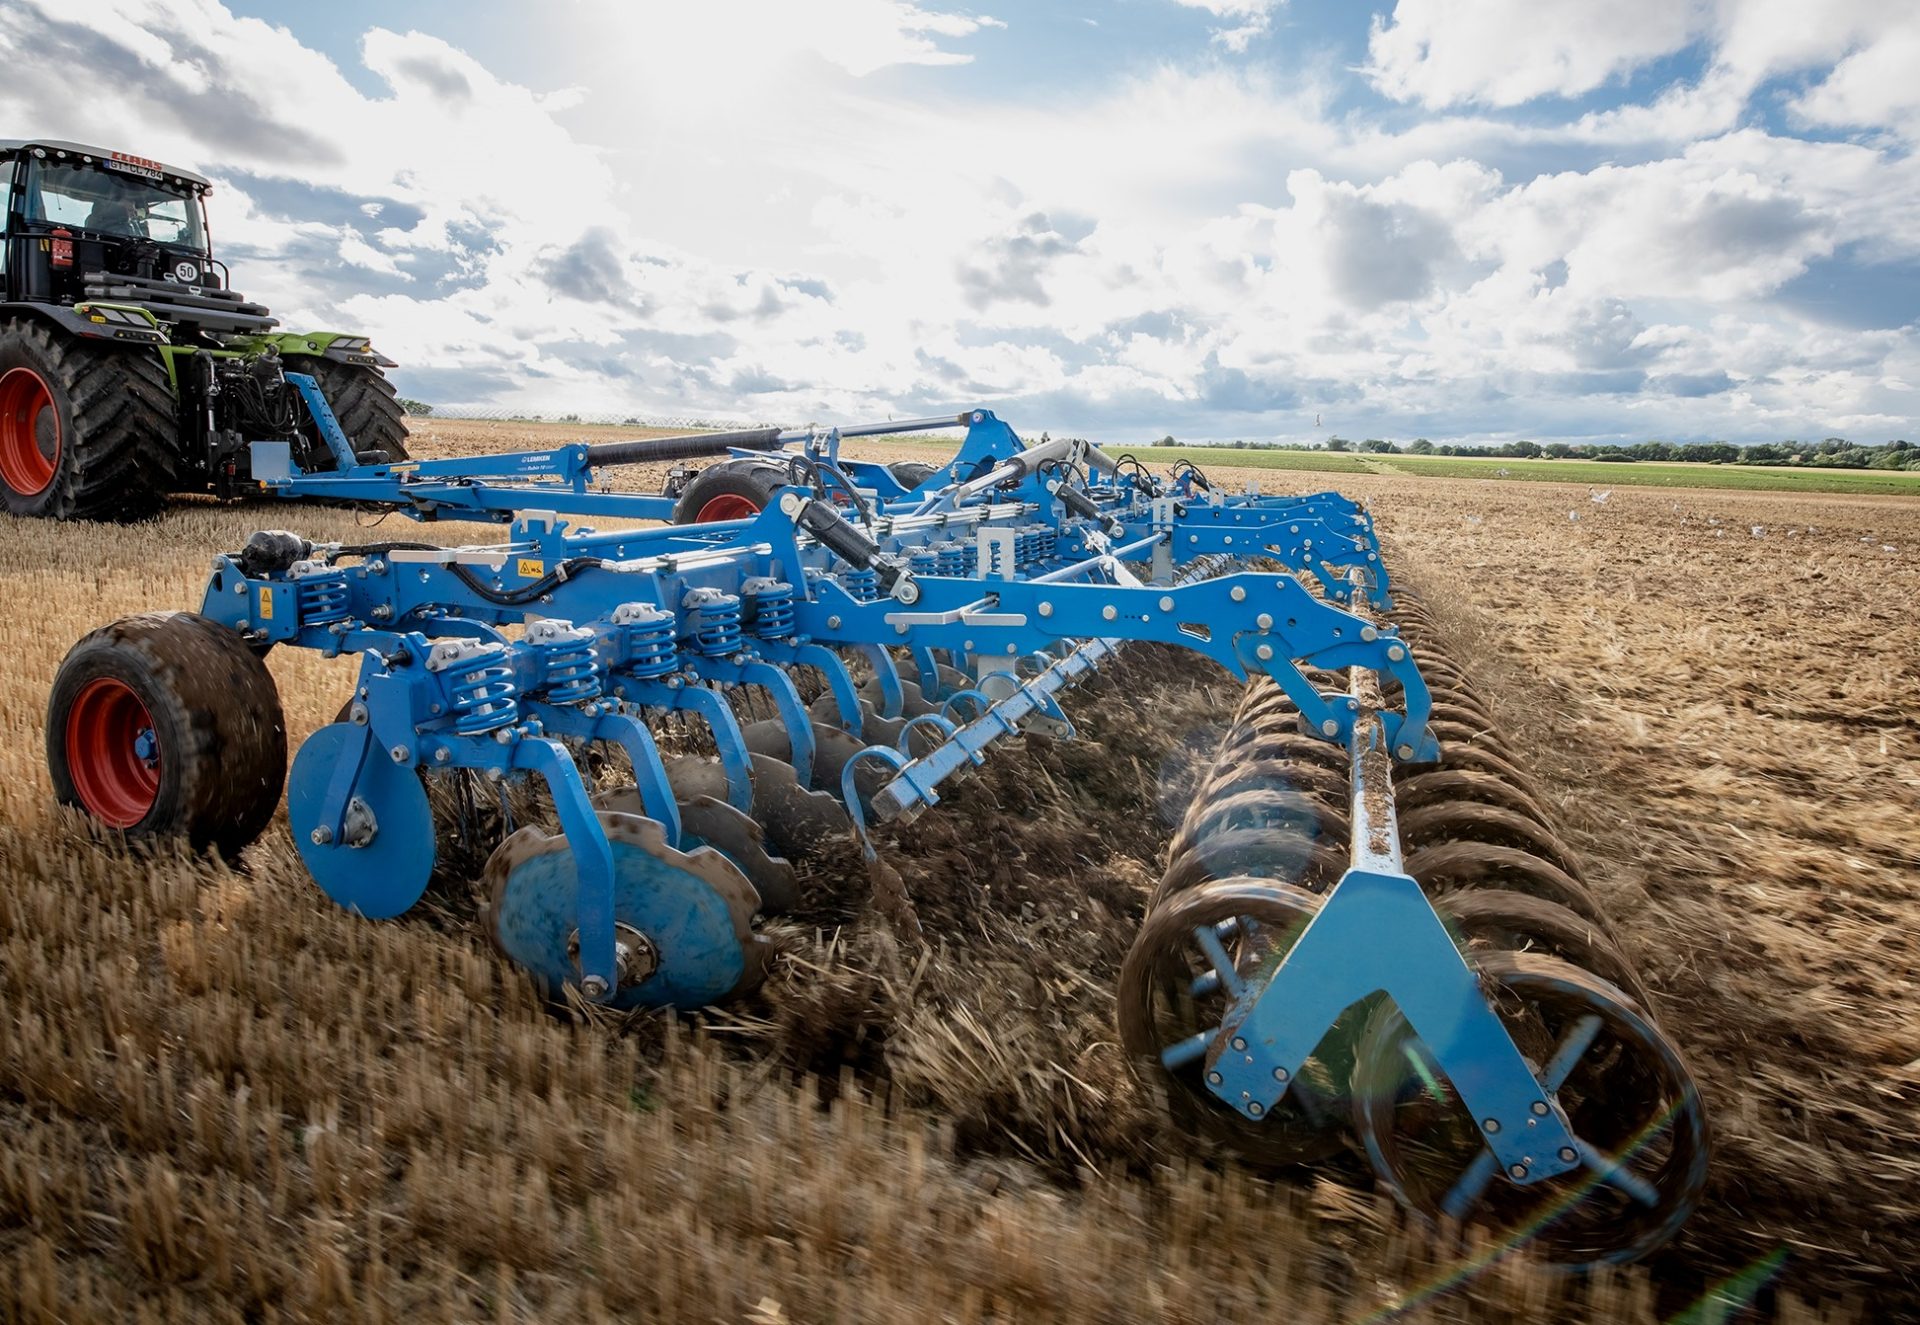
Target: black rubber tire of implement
[364, 403]
[910, 474]
[217, 722]
[119, 447]
[751, 481]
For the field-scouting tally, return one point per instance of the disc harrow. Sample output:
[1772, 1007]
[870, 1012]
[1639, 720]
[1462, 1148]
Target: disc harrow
[1341, 953]
[763, 685]
[1367, 927]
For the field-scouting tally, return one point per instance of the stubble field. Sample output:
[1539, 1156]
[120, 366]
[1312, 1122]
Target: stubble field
[222, 1098]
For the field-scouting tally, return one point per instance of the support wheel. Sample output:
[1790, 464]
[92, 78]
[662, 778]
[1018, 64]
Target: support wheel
[168, 725]
[366, 406]
[1172, 990]
[731, 490]
[910, 474]
[1631, 1104]
[87, 429]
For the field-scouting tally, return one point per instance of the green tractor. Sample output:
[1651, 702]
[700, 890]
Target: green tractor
[129, 367]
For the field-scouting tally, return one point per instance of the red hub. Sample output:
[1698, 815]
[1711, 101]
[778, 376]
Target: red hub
[112, 756]
[29, 432]
[727, 506]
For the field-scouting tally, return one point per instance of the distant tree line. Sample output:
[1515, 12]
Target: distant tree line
[1831, 453]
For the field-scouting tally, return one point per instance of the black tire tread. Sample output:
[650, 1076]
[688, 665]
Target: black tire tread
[363, 401]
[120, 449]
[216, 709]
[910, 474]
[753, 479]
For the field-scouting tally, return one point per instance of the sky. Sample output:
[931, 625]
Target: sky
[1216, 219]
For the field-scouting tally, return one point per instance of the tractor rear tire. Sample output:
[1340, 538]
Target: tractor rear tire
[87, 430]
[366, 405]
[167, 724]
[732, 490]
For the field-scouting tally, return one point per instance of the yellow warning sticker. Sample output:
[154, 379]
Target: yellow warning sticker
[266, 603]
[531, 568]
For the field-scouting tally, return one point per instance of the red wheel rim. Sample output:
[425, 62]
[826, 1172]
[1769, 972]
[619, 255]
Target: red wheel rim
[29, 432]
[727, 506]
[112, 756]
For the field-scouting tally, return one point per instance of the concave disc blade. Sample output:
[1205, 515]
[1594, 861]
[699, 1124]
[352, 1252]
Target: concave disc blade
[741, 840]
[832, 748]
[912, 703]
[694, 909]
[797, 821]
[874, 729]
[708, 821]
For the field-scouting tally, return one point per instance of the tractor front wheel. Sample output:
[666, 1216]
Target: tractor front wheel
[366, 406]
[87, 429]
[167, 725]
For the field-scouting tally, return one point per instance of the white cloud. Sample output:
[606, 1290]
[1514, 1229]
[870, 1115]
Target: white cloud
[766, 225]
[1240, 9]
[753, 39]
[1505, 52]
[1250, 19]
[1877, 84]
[862, 36]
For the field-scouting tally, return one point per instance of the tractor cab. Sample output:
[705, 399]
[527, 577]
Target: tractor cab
[129, 366]
[88, 225]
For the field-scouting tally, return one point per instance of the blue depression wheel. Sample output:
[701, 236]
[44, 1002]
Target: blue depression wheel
[379, 862]
[684, 918]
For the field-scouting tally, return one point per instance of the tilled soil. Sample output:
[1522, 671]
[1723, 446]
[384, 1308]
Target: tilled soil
[225, 1099]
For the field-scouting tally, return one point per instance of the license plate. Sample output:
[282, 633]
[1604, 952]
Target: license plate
[133, 165]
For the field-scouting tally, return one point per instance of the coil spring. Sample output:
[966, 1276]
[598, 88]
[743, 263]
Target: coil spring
[647, 646]
[714, 618]
[923, 561]
[1023, 546]
[953, 557]
[321, 598]
[1029, 544]
[863, 585]
[773, 610]
[1040, 544]
[481, 692]
[570, 673]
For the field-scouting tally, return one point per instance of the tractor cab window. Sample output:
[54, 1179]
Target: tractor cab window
[8, 167]
[113, 204]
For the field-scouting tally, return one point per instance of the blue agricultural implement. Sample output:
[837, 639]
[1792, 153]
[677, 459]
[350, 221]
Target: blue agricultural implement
[1297, 968]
